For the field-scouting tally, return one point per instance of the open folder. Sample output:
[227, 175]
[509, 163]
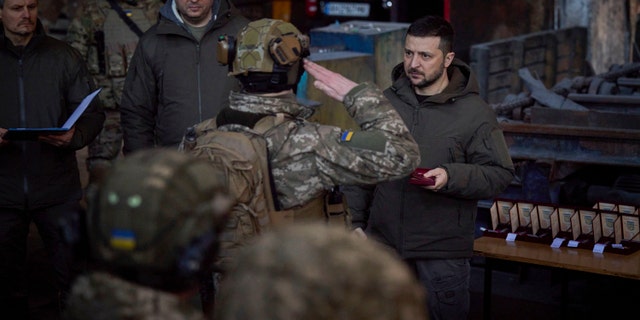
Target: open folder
[33, 133]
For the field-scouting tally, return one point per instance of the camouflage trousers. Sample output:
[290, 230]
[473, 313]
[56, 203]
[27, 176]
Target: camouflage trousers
[108, 144]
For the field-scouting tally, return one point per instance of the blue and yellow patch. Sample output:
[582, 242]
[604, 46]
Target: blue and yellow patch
[122, 239]
[128, 13]
[346, 136]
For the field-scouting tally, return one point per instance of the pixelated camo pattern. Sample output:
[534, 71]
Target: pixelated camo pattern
[308, 158]
[253, 43]
[314, 272]
[95, 17]
[119, 41]
[100, 296]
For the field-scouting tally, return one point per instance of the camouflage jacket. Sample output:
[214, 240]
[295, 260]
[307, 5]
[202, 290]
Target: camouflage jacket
[107, 43]
[307, 158]
[103, 296]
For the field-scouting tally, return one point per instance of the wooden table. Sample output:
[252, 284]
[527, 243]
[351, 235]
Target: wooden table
[609, 264]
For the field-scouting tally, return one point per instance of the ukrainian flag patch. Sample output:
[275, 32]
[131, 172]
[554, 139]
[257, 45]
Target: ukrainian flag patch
[122, 239]
[346, 136]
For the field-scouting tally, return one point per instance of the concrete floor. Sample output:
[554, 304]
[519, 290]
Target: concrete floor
[532, 292]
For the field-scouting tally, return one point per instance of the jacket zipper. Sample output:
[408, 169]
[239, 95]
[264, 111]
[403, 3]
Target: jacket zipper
[199, 81]
[23, 123]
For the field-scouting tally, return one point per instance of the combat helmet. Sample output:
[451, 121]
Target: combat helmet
[266, 56]
[156, 218]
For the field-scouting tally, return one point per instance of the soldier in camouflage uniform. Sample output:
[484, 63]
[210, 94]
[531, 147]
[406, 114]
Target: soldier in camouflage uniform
[314, 272]
[153, 229]
[107, 43]
[308, 158]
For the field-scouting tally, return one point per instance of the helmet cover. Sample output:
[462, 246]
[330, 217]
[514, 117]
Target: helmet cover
[262, 40]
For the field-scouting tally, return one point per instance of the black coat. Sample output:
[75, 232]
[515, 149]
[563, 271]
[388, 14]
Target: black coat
[175, 81]
[41, 85]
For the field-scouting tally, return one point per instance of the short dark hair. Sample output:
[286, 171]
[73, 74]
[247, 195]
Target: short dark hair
[434, 26]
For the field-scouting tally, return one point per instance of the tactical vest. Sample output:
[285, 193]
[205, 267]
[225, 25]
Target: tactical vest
[120, 44]
[241, 153]
[114, 44]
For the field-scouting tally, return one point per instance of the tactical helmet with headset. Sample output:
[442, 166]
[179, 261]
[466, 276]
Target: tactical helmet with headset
[266, 56]
[156, 217]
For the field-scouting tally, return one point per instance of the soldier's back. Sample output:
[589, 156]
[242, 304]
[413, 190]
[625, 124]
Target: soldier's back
[100, 296]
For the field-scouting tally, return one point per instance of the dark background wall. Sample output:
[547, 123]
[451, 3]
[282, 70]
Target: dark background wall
[611, 24]
[474, 21]
[488, 20]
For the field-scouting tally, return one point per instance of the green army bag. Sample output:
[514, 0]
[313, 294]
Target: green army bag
[241, 153]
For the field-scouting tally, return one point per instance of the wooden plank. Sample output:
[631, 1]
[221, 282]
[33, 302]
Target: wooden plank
[625, 266]
[589, 118]
[575, 144]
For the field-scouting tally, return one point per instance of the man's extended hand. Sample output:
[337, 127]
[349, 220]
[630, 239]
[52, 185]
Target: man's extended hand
[331, 83]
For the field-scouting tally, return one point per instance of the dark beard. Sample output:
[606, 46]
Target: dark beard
[429, 81]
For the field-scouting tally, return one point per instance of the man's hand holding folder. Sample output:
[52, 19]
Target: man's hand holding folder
[53, 135]
[60, 139]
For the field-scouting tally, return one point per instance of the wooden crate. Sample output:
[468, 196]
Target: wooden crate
[550, 56]
[353, 65]
[383, 40]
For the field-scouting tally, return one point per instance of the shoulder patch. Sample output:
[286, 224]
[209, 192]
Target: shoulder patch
[346, 136]
[123, 239]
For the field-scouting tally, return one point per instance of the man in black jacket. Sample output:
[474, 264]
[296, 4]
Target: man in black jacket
[43, 81]
[174, 80]
[464, 153]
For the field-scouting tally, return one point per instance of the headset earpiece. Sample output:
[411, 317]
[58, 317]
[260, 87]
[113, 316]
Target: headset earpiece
[286, 50]
[198, 256]
[226, 50]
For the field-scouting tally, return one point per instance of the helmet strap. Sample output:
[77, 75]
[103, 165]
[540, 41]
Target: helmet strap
[265, 82]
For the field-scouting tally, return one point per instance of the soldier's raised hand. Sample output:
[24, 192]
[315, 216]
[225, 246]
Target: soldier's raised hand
[331, 83]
